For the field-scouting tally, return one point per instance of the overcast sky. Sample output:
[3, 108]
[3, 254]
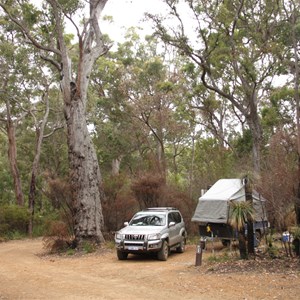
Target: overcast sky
[127, 13]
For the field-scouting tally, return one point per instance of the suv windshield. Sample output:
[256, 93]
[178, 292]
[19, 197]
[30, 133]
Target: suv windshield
[148, 220]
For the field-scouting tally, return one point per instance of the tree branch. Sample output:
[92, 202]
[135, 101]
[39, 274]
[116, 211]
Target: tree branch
[26, 32]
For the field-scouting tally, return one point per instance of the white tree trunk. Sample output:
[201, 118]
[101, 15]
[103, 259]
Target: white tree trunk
[86, 180]
[115, 166]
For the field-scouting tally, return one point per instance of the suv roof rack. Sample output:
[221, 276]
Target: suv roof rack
[161, 208]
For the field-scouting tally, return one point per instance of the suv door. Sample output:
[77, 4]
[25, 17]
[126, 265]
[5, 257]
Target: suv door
[172, 230]
[178, 220]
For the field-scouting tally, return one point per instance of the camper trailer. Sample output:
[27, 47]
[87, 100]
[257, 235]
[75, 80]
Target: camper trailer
[212, 211]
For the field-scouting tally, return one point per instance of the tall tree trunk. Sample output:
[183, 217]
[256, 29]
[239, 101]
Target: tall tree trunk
[242, 244]
[161, 158]
[86, 182]
[31, 202]
[115, 165]
[85, 175]
[297, 100]
[84, 169]
[254, 123]
[12, 155]
[40, 128]
[191, 170]
[250, 229]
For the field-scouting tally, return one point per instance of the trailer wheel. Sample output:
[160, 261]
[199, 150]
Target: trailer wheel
[258, 235]
[257, 238]
[226, 242]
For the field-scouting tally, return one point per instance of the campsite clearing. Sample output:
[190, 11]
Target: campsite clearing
[27, 273]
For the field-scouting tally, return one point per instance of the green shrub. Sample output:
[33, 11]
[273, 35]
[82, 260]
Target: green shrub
[70, 252]
[14, 220]
[296, 232]
[41, 223]
[15, 235]
[89, 247]
[272, 249]
[218, 259]
[110, 244]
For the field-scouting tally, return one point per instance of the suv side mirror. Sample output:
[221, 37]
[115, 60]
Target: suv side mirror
[126, 223]
[171, 224]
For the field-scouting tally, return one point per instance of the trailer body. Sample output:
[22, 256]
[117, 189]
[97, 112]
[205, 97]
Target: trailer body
[213, 210]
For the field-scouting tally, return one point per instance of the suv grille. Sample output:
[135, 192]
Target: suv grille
[134, 237]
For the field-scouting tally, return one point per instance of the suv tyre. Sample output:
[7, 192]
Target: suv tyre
[122, 255]
[181, 247]
[164, 251]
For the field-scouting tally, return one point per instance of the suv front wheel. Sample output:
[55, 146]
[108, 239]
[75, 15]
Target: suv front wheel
[164, 251]
[122, 255]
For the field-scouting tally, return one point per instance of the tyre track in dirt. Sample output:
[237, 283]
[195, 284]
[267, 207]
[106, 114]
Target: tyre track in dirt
[25, 273]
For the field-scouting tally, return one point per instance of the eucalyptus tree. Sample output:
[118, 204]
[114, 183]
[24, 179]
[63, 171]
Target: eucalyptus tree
[10, 127]
[291, 40]
[281, 117]
[141, 105]
[25, 94]
[296, 48]
[14, 91]
[212, 112]
[154, 98]
[43, 129]
[233, 45]
[113, 132]
[44, 28]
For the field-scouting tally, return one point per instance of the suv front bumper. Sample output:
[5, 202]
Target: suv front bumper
[138, 247]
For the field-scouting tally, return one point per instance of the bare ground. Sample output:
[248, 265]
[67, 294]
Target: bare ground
[27, 273]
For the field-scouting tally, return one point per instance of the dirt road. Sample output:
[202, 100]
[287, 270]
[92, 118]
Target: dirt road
[26, 274]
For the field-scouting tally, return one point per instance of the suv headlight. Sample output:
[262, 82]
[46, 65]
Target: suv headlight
[154, 236]
[118, 236]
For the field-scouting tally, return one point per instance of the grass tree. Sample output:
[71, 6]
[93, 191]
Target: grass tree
[241, 212]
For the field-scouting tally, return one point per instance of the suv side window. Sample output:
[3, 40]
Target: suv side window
[171, 218]
[177, 217]
[174, 217]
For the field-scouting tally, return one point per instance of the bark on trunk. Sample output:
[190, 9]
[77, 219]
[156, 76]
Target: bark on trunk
[35, 165]
[84, 168]
[12, 155]
[297, 100]
[257, 134]
[242, 244]
[31, 202]
[250, 229]
[85, 175]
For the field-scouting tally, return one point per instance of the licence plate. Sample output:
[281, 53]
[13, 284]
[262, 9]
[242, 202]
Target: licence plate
[133, 248]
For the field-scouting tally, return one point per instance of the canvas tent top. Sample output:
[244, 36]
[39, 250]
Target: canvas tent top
[213, 206]
[226, 189]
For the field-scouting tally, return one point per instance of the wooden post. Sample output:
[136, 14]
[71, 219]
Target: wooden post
[198, 255]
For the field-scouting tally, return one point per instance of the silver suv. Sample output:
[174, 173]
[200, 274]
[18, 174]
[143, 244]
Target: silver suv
[157, 229]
